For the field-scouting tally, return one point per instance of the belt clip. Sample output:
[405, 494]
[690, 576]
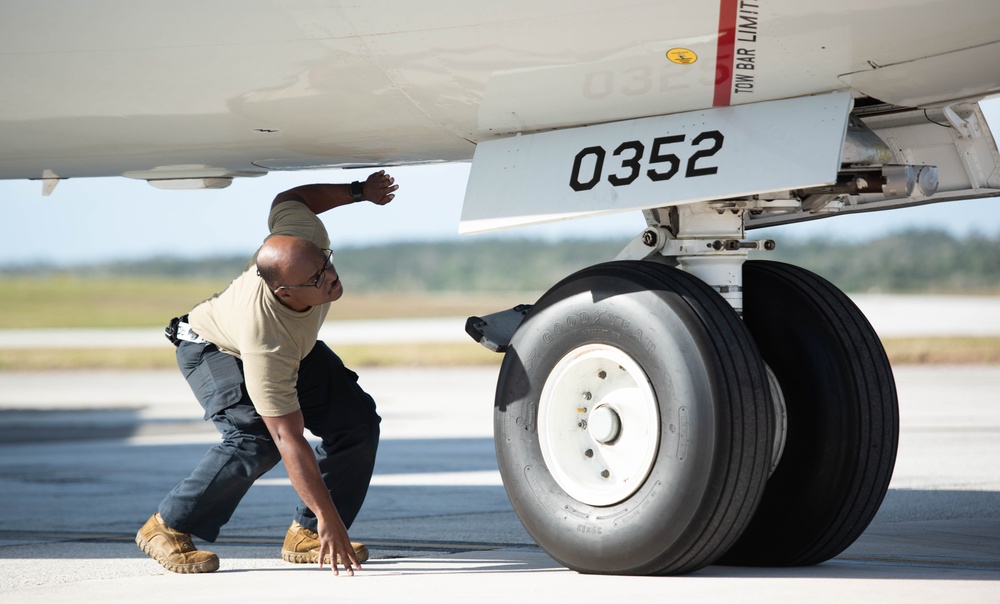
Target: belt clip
[170, 331]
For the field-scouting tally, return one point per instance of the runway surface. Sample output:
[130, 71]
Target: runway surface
[86, 457]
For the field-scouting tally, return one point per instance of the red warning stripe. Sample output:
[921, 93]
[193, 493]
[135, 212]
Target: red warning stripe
[725, 52]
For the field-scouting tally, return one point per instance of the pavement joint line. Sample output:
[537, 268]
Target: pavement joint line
[920, 561]
[250, 540]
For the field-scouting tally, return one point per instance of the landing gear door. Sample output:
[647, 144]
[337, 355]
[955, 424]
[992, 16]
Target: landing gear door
[655, 162]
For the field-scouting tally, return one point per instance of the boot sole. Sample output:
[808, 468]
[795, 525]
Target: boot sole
[313, 557]
[207, 566]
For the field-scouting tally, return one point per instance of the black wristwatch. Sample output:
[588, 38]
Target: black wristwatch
[357, 191]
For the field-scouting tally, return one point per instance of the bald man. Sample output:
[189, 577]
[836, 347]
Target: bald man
[252, 358]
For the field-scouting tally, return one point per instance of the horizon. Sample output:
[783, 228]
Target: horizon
[798, 239]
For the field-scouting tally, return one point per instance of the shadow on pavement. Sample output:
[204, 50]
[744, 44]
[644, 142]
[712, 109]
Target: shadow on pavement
[73, 487]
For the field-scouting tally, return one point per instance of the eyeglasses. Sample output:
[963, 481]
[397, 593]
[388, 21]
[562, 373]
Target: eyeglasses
[317, 279]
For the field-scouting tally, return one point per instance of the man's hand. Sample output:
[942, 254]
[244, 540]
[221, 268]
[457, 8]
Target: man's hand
[333, 542]
[379, 187]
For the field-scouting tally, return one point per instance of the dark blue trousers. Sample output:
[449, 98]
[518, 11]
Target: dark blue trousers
[335, 408]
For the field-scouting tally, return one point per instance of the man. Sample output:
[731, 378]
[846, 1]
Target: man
[251, 356]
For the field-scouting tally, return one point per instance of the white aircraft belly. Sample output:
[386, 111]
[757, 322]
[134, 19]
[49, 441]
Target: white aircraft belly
[576, 172]
[963, 74]
[228, 88]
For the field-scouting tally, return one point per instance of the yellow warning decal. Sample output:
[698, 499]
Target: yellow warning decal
[682, 56]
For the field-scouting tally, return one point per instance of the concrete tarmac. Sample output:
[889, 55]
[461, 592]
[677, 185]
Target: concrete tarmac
[86, 457]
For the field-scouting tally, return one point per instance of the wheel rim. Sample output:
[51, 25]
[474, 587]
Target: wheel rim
[780, 419]
[598, 424]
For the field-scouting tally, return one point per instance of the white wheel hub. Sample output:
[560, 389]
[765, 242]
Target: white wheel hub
[598, 424]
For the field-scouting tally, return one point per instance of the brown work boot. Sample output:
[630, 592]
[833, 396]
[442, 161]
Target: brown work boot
[173, 549]
[302, 547]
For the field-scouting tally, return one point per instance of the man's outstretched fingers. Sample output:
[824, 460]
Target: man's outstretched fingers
[351, 560]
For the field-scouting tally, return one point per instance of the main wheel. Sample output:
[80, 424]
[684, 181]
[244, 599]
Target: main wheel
[633, 424]
[843, 422]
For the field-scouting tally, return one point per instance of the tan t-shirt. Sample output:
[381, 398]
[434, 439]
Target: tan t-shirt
[247, 321]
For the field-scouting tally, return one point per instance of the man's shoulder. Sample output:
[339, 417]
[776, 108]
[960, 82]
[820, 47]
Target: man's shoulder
[292, 217]
[290, 209]
[292, 204]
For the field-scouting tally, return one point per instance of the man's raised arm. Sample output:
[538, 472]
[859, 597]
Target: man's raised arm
[378, 188]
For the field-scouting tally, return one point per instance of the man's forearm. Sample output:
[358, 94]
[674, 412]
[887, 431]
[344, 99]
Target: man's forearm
[287, 432]
[300, 462]
[378, 188]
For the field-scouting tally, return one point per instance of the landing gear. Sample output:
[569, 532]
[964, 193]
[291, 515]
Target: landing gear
[843, 421]
[642, 427]
[633, 422]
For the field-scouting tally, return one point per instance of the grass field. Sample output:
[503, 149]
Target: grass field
[103, 303]
[901, 351]
[426, 355]
[67, 302]
[74, 302]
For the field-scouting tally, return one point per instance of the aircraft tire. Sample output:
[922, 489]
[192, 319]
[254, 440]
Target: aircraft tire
[686, 468]
[842, 413]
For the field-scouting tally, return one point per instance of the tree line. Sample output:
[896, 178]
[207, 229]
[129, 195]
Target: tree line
[916, 261]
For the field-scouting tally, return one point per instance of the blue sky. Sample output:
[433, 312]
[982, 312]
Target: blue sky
[96, 219]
